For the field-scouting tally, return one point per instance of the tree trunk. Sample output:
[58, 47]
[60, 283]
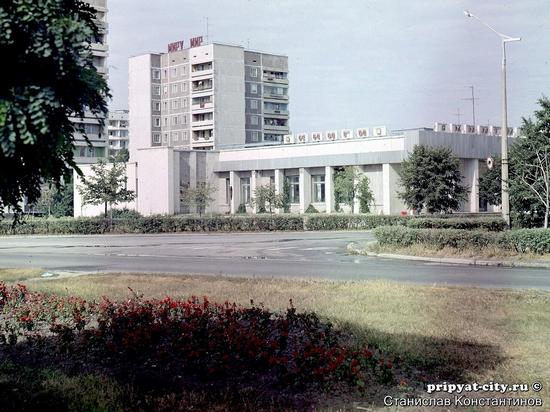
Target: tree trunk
[546, 217]
[105, 210]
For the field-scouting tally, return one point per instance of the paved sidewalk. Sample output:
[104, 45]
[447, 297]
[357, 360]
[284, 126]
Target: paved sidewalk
[355, 248]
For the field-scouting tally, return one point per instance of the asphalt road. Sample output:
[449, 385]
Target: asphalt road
[299, 255]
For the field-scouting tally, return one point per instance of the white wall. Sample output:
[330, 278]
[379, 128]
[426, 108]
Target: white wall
[139, 103]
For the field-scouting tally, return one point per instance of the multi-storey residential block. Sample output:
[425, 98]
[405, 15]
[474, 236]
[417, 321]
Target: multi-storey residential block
[206, 97]
[96, 135]
[117, 128]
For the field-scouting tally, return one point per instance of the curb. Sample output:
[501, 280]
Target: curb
[354, 249]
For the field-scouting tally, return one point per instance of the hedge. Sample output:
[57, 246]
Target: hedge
[494, 224]
[240, 223]
[523, 240]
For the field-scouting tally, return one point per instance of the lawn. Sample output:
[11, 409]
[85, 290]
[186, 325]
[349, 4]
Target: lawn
[447, 333]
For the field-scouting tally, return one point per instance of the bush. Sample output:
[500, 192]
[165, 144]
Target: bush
[531, 240]
[486, 223]
[193, 338]
[241, 209]
[124, 214]
[350, 222]
[311, 209]
[440, 238]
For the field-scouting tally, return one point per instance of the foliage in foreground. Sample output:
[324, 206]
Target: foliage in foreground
[50, 79]
[195, 339]
[522, 240]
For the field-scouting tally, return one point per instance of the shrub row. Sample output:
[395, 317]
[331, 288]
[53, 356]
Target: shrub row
[243, 223]
[494, 224]
[524, 240]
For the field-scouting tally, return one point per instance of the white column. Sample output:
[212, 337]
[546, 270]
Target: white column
[235, 189]
[471, 178]
[305, 189]
[329, 189]
[253, 186]
[279, 179]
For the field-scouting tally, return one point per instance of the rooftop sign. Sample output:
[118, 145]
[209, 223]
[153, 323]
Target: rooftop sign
[176, 46]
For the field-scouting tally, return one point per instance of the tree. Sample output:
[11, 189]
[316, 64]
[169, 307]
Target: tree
[490, 184]
[350, 184]
[123, 155]
[530, 165]
[198, 197]
[56, 201]
[106, 186]
[267, 197]
[431, 180]
[50, 78]
[286, 196]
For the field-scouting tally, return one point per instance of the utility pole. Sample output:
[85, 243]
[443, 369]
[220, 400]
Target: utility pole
[473, 100]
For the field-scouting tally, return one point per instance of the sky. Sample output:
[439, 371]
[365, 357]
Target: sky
[361, 63]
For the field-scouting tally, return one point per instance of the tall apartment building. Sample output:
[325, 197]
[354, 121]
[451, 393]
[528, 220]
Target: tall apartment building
[117, 128]
[96, 135]
[207, 97]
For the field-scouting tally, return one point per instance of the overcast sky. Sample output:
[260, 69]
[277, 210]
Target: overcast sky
[360, 63]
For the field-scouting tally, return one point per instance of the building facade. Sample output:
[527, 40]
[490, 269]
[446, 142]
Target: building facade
[117, 128]
[91, 124]
[207, 97]
[308, 165]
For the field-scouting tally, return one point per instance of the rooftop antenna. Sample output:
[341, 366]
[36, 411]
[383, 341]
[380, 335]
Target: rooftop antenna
[248, 44]
[473, 100]
[457, 114]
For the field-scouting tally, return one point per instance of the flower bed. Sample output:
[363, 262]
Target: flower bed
[194, 337]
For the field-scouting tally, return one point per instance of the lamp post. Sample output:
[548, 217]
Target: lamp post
[504, 126]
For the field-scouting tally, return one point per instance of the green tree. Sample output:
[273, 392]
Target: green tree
[107, 186]
[266, 197]
[530, 166]
[49, 79]
[490, 184]
[431, 180]
[199, 197]
[349, 184]
[123, 155]
[56, 201]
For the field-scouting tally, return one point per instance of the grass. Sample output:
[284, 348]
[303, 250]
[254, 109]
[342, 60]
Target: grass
[484, 253]
[19, 275]
[464, 334]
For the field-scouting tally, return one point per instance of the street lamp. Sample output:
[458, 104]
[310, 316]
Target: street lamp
[504, 126]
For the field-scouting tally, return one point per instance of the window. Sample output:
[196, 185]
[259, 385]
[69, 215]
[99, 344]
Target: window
[175, 88]
[245, 190]
[156, 74]
[294, 188]
[166, 121]
[165, 74]
[175, 120]
[318, 187]
[175, 104]
[253, 88]
[253, 104]
[184, 119]
[184, 102]
[253, 72]
[157, 121]
[165, 138]
[156, 106]
[184, 87]
[165, 90]
[185, 136]
[156, 90]
[254, 120]
[156, 137]
[174, 72]
[175, 136]
[254, 137]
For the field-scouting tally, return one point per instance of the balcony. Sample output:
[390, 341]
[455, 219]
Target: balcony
[269, 95]
[276, 112]
[202, 88]
[202, 123]
[277, 127]
[202, 106]
[200, 73]
[275, 80]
